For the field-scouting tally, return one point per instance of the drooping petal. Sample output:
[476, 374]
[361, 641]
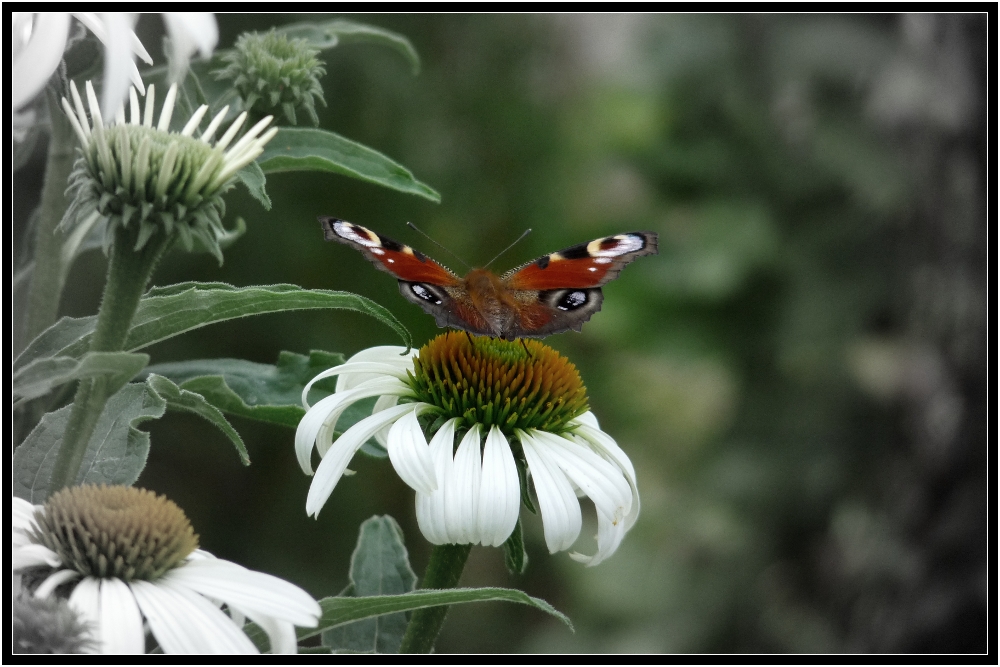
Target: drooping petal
[431, 506]
[383, 354]
[33, 555]
[332, 467]
[561, 517]
[39, 57]
[189, 32]
[54, 581]
[499, 491]
[366, 371]
[121, 622]
[605, 445]
[119, 61]
[251, 591]
[85, 600]
[22, 518]
[280, 634]
[184, 622]
[381, 404]
[409, 453]
[462, 491]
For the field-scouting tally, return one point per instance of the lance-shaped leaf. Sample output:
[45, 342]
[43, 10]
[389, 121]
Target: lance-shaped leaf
[165, 312]
[340, 610]
[116, 453]
[188, 401]
[253, 178]
[380, 565]
[267, 393]
[327, 35]
[515, 557]
[311, 149]
[42, 375]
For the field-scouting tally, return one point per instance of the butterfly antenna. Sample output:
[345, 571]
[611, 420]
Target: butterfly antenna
[525, 346]
[526, 232]
[427, 236]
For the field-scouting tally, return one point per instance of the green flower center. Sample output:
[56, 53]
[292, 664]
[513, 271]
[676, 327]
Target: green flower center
[510, 384]
[115, 531]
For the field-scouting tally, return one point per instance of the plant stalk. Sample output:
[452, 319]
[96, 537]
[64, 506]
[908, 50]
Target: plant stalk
[129, 272]
[443, 571]
[47, 276]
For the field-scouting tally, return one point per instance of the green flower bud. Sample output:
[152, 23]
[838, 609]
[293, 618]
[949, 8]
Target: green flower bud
[273, 74]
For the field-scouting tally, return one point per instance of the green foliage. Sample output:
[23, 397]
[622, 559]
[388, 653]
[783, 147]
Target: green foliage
[295, 149]
[43, 375]
[515, 556]
[165, 312]
[342, 31]
[379, 566]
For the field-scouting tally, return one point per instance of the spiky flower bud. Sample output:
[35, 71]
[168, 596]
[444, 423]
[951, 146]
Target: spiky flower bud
[137, 176]
[273, 74]
[46, 625]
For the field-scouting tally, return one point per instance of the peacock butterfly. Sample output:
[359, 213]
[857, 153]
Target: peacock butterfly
[549, 295]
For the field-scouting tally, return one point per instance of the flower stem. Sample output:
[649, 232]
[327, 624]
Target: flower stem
[47, 276]
[128, 273]
[443, 571]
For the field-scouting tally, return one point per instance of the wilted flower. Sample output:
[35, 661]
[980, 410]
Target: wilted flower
[530, 404]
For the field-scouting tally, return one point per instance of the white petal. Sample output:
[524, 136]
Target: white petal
[147, 115]
[121, 622]
[85, 600]
[118, 60]
[33, 555]
[383, 354]
[194, 121]
[410, 454]
[197, 30]
[231, 132]
[184, 622]
[605, 445]
[167, 111]
[381, 404]
[462, 491]
[251, 591]
[54, 581]
[280, 634]
[23, 514]
[331, 468]
[588, 418]
[500, 491]
[38, 59]
[214, 125]
[561, 517]
[431, 506]
[365, 372]
[319, 423]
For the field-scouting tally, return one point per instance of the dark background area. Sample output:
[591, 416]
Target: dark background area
[799, 376]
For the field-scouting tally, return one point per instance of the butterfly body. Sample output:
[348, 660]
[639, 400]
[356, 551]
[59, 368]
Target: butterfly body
[554, 293]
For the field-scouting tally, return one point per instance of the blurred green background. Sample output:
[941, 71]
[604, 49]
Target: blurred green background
[799, 376]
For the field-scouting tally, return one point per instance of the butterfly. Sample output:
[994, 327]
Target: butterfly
[552, 294]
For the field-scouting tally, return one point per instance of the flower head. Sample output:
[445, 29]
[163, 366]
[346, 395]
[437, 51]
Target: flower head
[126, 554]
[154, 180]
[275, 74]
[505, 405]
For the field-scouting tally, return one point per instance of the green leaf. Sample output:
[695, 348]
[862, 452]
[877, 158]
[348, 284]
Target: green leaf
[116, 453]
[310, 149]
[42, 375]
[261, 392]
[515, 557]
[379, 566]
[188, 401]
[341, 31]
[253, 178]
[165, 312]
[341, 610]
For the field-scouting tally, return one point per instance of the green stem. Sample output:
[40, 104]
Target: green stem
[443, 571]
[128, 273]
[47, 276]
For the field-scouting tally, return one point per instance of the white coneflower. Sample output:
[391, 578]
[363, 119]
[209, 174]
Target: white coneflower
[529, 403]
[128, 555]
[157, 181]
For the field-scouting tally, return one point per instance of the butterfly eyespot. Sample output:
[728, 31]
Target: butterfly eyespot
[572, 300]
[425, 294]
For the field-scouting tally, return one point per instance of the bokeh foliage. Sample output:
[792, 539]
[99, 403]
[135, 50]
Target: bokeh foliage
[799, 376]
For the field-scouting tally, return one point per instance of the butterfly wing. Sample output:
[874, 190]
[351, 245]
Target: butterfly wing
[421, 280]
[562, 290]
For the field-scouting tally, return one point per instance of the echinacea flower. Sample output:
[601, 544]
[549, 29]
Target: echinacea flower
[507, 405]
[157, 181]
[127, 554]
